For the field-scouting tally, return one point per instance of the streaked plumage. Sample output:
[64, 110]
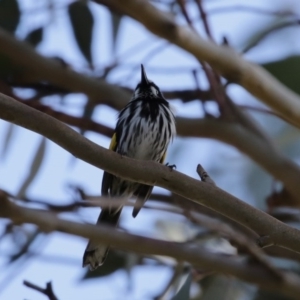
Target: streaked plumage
[144, 130]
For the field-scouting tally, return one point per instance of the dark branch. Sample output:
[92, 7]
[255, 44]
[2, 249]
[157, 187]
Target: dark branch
[48, 291]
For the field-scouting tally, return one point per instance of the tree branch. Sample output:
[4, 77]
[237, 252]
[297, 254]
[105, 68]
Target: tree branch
[185, 96]
[24, 60]
[288, 284]
[262, 151]
[150, 173]
[32, 67]
[82, 123]
[229, 64]
[30, 62]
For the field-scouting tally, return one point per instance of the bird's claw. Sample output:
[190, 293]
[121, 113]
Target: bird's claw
[172, 167]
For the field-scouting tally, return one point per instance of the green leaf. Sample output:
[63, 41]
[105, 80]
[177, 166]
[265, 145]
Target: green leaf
[114, 262]
[115, 23]
[35, 36]
[184, 291]
[82, 22]
[34, 169]
[287, 71]
[9, 14]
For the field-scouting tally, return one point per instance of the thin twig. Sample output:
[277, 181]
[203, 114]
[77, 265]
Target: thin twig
[184, 11]
[82, 123]
[47, 291]
[250, 9]
[212, 77]
[101, 202]
[204, 18]
[204, 175]
[270, 30]
[44, 89]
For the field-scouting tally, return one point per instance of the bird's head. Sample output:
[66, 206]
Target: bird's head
[147, 88]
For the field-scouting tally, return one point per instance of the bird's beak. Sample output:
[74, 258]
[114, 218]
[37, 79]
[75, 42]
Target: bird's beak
[144, 79]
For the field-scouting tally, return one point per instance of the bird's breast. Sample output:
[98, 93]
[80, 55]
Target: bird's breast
[146, 132]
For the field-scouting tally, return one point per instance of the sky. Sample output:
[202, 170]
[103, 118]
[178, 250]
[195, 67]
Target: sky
[60, 169]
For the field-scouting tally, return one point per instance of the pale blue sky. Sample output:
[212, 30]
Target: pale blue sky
[58, 169]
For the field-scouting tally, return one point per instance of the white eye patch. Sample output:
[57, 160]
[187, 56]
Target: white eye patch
[136, 93]
[154, 91]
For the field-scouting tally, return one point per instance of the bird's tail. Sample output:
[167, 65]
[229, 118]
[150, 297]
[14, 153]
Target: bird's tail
[95, 253]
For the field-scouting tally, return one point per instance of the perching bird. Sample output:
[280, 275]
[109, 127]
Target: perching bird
[144, 130]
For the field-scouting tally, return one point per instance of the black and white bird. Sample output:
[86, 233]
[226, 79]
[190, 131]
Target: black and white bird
[144, 130]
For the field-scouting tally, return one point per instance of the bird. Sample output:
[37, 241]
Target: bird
[144, 130]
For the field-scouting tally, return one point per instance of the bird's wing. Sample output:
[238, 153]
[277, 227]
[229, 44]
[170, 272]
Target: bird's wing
[162, 160]
[95, 252]
[107, 178]
[143, 193]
